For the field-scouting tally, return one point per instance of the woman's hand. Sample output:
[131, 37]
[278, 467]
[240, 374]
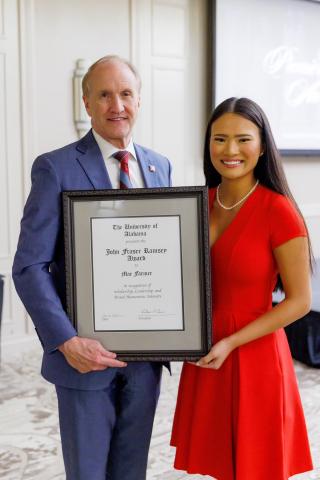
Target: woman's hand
[217, 355]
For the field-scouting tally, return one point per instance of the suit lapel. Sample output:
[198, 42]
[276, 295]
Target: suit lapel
[90, 158]
[147, 168]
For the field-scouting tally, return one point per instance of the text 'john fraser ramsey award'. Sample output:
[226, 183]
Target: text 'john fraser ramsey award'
[137, 278]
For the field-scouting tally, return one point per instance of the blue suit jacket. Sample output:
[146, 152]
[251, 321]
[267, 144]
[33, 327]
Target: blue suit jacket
[39, 265]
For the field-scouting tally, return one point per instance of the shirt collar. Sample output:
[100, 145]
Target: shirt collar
[107, 149]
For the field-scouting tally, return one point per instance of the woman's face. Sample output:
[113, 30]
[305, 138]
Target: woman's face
[235, 146]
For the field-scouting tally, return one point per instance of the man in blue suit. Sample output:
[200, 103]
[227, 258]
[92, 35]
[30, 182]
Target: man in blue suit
[106, 407]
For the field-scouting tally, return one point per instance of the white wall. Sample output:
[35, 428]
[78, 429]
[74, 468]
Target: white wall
[59, 33]
[11, 183]
[164, 39]
[303, 175]
[40, 41]
[172, 60]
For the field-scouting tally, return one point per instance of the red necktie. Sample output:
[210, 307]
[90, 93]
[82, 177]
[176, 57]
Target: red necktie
[123, 157]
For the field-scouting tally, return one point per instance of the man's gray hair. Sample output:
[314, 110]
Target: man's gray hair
[108, 59]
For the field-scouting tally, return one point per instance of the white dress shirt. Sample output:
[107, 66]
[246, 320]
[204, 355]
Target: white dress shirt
[113, 165]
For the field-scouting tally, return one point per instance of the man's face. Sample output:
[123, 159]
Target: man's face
[113, 101]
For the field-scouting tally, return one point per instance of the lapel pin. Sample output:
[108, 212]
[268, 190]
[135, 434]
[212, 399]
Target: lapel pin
[152, 168]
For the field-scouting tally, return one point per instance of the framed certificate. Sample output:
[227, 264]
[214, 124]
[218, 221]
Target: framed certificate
[137, 270]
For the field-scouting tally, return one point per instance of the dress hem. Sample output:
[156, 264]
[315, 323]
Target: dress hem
[196, 472]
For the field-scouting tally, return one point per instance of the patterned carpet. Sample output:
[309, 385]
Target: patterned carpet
[29, 438]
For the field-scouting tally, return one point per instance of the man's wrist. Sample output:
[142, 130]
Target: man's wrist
[62, 347]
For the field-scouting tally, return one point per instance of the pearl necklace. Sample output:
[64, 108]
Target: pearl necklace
[240, 201]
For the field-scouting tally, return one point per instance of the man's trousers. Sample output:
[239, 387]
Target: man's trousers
[106, 433]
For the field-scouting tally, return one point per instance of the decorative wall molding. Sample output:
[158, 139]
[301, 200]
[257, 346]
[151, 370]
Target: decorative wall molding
[7, 312]
[11, 168]
[4, 181]
[133, 19]
[81, 118]
[170, 83]
[171, 40]
[168, 42]
[26, 12]
[2, 17]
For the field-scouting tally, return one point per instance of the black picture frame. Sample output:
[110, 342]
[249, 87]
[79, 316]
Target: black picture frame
[87, 216]
[248, 32]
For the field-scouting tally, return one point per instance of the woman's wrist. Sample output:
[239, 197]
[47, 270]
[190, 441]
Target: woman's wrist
[232, 341]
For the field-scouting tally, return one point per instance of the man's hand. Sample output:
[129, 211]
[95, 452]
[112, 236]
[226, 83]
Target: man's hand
[217, 355]
[87, 355]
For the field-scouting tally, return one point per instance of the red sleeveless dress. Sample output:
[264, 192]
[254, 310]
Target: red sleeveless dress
[245, 421]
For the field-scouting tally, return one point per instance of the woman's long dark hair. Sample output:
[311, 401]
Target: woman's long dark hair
[269, 170]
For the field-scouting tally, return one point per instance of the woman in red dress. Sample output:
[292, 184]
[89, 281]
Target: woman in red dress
[238, 413]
